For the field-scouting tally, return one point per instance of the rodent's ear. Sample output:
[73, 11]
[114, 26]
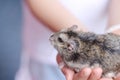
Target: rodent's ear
[73, 28]
[71, 45]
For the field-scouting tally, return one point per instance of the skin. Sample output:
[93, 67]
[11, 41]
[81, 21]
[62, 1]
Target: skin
[53, 14]
[84, 74]
[57, 17]
[114, 15]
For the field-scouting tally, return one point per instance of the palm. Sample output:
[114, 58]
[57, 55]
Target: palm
[85, 74]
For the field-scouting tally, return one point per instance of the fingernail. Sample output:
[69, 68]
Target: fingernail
[87, 71]
[61, 65]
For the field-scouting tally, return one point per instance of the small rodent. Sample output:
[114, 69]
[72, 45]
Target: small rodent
[86, 49]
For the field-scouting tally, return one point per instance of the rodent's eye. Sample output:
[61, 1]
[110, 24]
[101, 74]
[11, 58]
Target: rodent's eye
[60, 39]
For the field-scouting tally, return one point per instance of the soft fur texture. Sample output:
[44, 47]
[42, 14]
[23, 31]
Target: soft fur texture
[86, 49]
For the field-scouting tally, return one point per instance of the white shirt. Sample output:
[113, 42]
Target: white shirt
[92, 13]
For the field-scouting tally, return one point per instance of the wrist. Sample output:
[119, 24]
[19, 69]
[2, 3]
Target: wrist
[114, 29]
[116, 32]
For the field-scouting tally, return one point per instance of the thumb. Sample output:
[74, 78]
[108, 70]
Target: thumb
[66, 71]
[117, 77]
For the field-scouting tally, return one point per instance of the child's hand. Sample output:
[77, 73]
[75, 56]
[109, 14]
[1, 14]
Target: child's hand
[84, 74]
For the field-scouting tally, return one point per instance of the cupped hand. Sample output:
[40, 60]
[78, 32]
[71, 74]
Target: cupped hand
[84, 74]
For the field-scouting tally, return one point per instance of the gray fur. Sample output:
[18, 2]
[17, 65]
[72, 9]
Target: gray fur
[86, 49]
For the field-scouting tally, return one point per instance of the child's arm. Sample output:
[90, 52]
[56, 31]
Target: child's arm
[114, 16]
[53, 14]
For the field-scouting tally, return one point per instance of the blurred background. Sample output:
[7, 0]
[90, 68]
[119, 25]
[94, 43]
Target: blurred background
[10, 38]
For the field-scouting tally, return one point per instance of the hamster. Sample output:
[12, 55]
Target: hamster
[86, 49]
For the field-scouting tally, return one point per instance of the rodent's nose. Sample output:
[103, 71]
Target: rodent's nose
[51, 38]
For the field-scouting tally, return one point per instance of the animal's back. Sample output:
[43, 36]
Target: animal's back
[105, 52]
[112, 41]
[100, 50]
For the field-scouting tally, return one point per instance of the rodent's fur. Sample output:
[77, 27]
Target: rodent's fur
[86, 49]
